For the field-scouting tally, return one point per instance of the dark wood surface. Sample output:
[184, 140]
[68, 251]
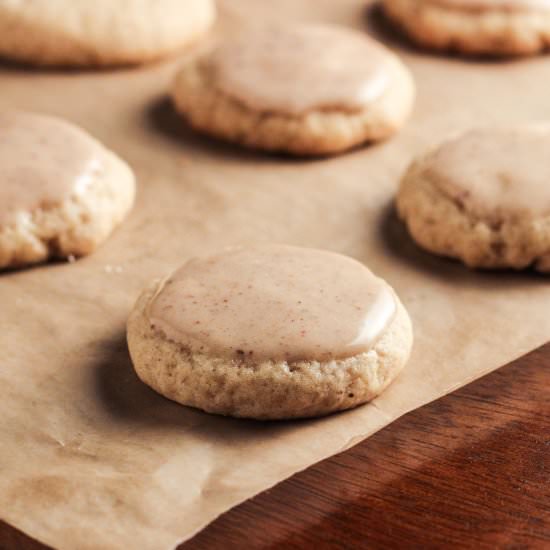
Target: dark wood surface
[471, 470]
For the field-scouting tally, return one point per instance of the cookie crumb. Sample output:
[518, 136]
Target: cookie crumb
[112, 268]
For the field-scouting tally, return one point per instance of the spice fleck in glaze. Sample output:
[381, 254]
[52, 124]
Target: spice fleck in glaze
[295, 69]
[496, 172]
[274, 302]
[43, 160]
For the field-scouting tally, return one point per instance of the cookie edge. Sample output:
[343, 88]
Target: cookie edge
[304, 389]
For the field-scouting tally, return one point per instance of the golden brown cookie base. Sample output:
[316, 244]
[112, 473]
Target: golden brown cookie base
[441, 225]
[74, 227]
[493, 33]
[318, 132]
[265, 390]
[94, 34]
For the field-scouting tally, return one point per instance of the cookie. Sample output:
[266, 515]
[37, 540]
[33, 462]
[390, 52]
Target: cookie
[484, 198]
[270, 332]
[61, 191]
[304, 89]
[79, 33]
[475, 27]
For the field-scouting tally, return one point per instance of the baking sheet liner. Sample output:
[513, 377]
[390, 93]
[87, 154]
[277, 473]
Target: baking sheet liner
[92, 458]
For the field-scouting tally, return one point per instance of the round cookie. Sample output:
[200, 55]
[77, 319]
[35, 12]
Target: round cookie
[304, 89]
[61, 191]
[476, 27]
[483, 197]
[270, 332]
[98, 33]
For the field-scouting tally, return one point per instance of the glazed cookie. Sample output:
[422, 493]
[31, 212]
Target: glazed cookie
[306, 89]
[270, 332]
[477, 27]
[81, 33]
[61, 191]
[483, 197]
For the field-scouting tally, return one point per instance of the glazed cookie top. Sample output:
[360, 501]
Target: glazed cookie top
[487, 5]
[495, 172]
[42, 161]
[274, 302]
[296, 68]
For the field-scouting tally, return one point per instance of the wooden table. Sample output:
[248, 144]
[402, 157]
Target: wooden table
[471, 470]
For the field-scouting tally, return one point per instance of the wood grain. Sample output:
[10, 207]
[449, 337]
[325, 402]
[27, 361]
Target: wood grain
[471, 470]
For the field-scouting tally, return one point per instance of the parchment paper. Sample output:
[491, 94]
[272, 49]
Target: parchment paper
[90, 457]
